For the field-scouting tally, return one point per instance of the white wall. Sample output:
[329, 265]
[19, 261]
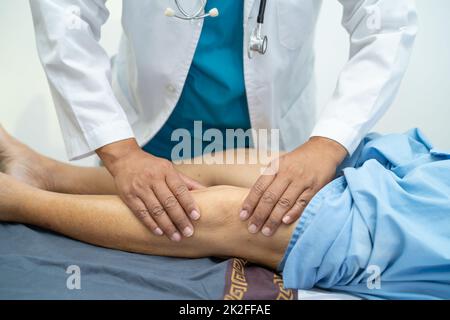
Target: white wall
[424, 97]
[26, 108]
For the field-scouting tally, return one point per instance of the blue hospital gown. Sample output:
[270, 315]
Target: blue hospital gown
[388, 214]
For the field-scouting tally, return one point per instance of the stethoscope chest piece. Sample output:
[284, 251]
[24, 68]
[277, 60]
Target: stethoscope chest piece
[257, 42]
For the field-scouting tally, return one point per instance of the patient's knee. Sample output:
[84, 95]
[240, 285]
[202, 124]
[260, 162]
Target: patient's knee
[220, 231]
[219, 225]
[219, 205]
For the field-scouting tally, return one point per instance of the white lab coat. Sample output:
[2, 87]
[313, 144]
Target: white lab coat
[99, 100]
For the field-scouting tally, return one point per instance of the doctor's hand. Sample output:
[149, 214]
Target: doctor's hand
[284, 190]
[151, 187]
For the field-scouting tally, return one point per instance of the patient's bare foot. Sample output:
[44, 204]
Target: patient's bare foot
[24, 164]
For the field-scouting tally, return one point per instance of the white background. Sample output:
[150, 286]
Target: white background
[26, 108]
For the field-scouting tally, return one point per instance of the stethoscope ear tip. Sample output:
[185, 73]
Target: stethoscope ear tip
[169, 12]
[213, 12]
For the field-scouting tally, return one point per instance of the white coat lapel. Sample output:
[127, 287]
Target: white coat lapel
[248, 5]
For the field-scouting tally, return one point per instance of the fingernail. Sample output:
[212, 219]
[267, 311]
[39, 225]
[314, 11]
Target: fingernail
[188, 232]
[287, 219]
[195, 215]
[267, 232]
[253, 228]
[158, 232]
[176, 237]
[243, 214]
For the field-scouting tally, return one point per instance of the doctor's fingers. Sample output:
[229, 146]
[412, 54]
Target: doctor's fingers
[284, 204]
[158, 214]
[184, 197]
[299, 206]
[267, 203]
[141, 212]
[174, 212]
[191, 183]
[256, 192]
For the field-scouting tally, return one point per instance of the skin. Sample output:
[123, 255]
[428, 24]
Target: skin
[81, 203]
[151, 187]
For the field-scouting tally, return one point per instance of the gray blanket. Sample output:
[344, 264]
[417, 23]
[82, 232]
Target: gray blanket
[34, 265]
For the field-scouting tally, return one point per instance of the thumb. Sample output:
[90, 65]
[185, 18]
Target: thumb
[191, 183]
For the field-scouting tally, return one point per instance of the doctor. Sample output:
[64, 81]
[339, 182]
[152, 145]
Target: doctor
[171, 72]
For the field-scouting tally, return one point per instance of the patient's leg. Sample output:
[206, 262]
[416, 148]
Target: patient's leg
[30, 167]
[106, 221]
[26, 165]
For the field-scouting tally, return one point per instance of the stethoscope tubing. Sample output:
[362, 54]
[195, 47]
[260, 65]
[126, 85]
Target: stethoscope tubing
[196, 16]
[261, 12]
[257, 42]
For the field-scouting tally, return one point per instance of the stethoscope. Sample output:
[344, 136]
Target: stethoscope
[257, 42]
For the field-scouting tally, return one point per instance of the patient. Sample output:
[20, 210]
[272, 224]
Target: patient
[81, 203]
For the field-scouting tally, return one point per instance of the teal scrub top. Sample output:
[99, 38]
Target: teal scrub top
[214, 91]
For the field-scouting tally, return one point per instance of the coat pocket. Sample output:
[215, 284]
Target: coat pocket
[296, 19]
